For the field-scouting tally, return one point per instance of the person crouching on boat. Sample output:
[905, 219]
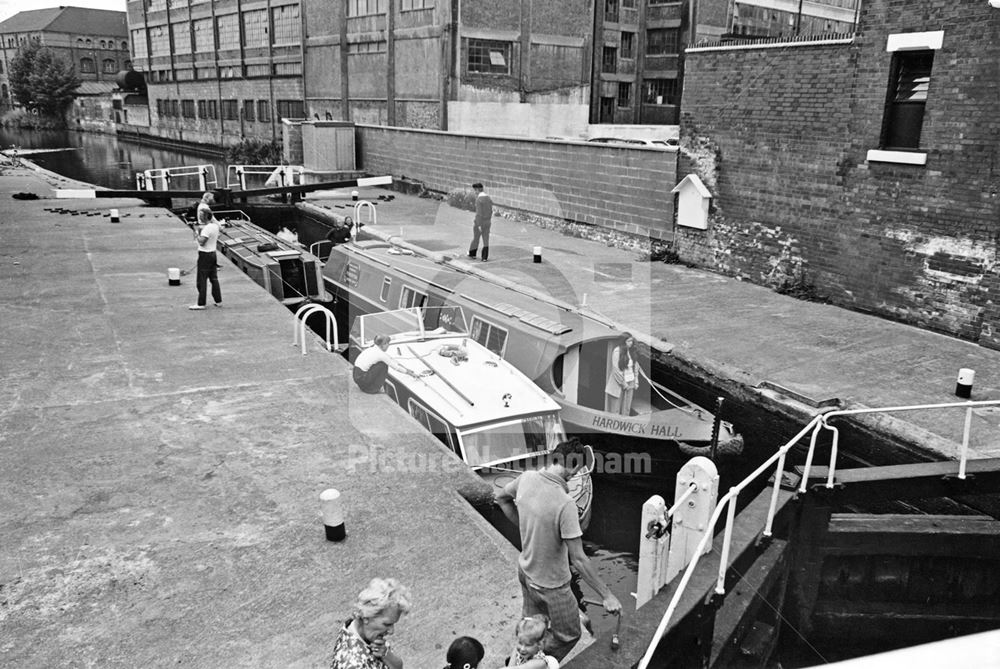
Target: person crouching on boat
[372, 365]
[624, 377]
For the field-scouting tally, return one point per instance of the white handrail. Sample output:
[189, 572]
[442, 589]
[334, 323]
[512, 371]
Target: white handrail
[205, 173]
[304, 312]
[361, 205]
[284, 175]
[817, 423]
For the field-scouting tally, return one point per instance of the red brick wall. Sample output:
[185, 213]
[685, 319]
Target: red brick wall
[781, 135]
[619, 188]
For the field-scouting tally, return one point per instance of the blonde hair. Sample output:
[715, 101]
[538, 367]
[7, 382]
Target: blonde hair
[535, 627]
[380, 595]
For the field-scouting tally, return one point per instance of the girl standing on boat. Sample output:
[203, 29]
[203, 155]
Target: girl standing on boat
[624, 378]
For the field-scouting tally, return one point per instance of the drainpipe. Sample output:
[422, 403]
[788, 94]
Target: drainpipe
[390, 57]
[345, 75]
[524, 58]
[595, 67]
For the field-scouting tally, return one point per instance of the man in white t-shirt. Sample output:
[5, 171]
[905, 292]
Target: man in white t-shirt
[372, 365]
[207, 236]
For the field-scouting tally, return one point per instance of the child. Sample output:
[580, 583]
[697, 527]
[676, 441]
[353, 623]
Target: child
[528, 654]
[464, 653]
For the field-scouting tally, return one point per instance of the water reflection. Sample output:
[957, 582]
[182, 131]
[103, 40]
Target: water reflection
[103, 160]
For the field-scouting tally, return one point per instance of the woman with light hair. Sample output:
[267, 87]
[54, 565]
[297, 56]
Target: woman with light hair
[362, 641]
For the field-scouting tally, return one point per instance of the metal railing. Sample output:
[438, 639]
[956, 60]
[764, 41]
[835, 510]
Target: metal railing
[276, 175]
[303, 314]
[363, 205]
[728, 501]
[163, 176]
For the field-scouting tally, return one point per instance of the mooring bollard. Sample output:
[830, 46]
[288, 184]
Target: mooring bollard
[333, 515]
[114, 216]
[173, 276]
[354, 195]
[963, 388]
[537, 251]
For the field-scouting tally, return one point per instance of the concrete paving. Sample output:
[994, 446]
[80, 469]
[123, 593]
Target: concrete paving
[160, 468]
[742, 335]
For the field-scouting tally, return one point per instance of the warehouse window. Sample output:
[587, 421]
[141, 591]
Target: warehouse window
[660, 91]
[291, 109]
[255, 28]
[661, 41]
[609, 59]
[287, 26]
[204, 36]
[229, 32]
[628, 45]
[624, 94]
[489, 56]
[230, 110]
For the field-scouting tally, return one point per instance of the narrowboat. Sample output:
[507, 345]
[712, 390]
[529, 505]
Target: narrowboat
[567, 352]
[283, 268]
[476, 403]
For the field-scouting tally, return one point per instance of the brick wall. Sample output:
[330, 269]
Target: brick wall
[618, 188]
[780, 136]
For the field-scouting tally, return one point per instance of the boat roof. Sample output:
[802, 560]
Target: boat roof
[474, 388]
[510, 306]
[244, 237]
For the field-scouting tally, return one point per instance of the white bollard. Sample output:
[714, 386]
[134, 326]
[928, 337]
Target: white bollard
[114, 216]
[354, 195]
[652, 552]
[173, 276]
[963, 388]
[537, 252]
[333, 515]
[690, 521]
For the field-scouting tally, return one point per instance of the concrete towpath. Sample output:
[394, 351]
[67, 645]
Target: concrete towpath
[160, 468]
[745, 336]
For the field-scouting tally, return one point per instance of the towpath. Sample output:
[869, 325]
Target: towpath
[743, 335]
[160, 468]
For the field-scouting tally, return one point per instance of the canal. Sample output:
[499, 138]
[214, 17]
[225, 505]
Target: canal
[612, 539]
[102, 160]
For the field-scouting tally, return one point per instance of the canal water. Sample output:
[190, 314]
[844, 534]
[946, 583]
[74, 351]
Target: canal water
[613, 536]
[102, 160]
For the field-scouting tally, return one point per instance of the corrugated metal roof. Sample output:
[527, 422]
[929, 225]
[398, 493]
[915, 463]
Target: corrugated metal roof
[74, 20]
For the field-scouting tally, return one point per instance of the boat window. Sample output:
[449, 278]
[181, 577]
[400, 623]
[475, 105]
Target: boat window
[390, 390]
[512, 440]
[432, 423]
[386, 283]
[493, 337]
[411, 298]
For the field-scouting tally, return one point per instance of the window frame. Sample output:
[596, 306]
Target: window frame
[904, 47]
[622, 52]
[407, 295]
[609, 59]
[674, 41]
[477, 326]
[487, 47]
[626, 87]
